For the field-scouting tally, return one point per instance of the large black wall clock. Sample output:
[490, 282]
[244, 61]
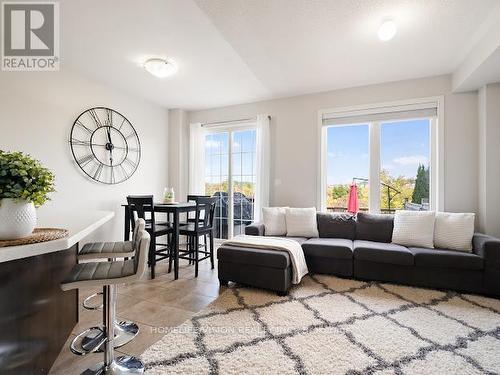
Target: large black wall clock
[105, 145]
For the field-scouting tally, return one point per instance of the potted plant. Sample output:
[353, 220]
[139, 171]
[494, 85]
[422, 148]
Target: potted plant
[24, 185]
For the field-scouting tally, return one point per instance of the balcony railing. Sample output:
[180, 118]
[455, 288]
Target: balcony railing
[361, 209]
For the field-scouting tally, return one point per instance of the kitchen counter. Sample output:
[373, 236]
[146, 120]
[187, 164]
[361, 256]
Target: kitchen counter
[79, 225]
[36, 316]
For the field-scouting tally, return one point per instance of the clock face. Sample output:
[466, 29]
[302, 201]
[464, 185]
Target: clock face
[105, 145]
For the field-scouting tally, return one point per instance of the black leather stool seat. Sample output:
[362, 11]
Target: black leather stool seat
[95, 250]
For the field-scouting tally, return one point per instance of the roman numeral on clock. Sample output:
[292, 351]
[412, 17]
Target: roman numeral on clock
[95, 118]
[84, 160]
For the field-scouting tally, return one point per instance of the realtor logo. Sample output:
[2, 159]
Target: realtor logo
[30, 39]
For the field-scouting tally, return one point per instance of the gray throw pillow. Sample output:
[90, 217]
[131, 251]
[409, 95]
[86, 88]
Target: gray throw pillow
[374, 227]
[336, 225]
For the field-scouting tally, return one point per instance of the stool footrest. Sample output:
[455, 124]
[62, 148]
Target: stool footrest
[93, 306]
[125, 332]
[89, 341]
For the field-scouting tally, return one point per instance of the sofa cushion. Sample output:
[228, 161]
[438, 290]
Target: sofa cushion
[374, 227]
[259, 257]
[339, 248]
[336, 225]
[454, 231]
[274, 221]
[446, 259]
[301, 222]
[414, 228]
[381, 252]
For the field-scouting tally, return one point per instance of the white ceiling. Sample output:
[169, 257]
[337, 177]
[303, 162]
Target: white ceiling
[236, 51]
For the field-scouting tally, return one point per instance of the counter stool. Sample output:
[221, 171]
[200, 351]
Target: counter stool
[125, 331]
[109, 275]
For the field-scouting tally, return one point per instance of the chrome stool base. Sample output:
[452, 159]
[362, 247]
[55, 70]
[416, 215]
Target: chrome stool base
[87, 341]
[120, 366]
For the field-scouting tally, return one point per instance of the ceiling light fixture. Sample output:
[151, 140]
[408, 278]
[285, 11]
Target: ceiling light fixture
[160, 68]
[387, 30]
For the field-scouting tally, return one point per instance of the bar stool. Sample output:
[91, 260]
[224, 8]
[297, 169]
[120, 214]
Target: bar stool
[109, 275]
[125, 331]
[110, 251]
[141, 206]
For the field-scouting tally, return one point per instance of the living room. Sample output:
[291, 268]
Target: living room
[250, 186]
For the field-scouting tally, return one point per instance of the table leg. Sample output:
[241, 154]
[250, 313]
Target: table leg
[176, 244]
[126, 234]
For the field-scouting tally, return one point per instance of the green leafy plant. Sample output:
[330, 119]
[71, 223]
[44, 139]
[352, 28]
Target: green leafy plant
[24, 178]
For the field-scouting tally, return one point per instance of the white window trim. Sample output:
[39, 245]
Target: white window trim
[436, 150]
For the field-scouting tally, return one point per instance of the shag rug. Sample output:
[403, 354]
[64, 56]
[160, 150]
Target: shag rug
[329, 325]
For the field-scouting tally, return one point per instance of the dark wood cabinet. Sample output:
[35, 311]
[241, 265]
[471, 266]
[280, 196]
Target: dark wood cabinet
[36, 316]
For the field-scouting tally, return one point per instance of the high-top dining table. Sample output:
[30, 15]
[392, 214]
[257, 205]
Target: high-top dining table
[172, 208]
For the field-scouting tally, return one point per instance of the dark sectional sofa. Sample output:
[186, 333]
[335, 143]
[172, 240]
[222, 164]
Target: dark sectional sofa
[360, 247]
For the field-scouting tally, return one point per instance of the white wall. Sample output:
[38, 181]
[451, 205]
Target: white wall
[489, 159]
[295, 140]
[37, 111]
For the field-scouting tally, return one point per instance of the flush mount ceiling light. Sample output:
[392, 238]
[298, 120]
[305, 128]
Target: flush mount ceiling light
[387, 30]
[160, 68]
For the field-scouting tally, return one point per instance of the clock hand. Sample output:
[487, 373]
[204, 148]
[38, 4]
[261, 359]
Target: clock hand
[109, 136]
[110, 146]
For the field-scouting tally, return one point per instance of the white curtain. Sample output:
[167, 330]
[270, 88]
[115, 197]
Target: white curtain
[262, 164]
[196, 159]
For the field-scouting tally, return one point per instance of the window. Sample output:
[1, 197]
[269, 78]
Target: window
[388, 153]
[230, 160]
[232, 215]
[347, 162]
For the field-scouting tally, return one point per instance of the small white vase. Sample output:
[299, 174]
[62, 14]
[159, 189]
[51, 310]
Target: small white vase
[17, 218]
[168, 195]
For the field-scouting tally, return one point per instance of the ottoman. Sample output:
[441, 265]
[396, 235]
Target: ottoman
[267, 269]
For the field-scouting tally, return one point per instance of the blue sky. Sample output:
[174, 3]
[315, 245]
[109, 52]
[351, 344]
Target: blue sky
[403, 145]
[216, 155]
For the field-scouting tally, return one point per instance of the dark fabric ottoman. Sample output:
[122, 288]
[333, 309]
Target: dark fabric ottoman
[267, 269]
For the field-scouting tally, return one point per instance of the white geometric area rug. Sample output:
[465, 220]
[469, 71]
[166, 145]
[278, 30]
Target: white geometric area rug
[329, 325]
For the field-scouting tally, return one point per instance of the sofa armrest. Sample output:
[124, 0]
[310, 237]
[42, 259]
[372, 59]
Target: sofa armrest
[487, 247]
[255, 229]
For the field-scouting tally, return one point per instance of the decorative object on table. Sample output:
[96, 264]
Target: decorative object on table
[24, 185]
[169, 195]
[105, 145]
[38, 235]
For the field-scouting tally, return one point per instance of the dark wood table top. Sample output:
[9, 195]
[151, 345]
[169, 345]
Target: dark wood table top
[173, 205]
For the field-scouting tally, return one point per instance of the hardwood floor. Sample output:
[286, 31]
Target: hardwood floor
[154, 304]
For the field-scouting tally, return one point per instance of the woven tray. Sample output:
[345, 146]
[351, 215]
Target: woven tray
[38, 235]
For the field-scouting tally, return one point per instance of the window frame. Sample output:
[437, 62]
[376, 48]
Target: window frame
[436, 196]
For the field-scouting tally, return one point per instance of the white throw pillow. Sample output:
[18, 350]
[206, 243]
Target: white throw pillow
[454, 231]
[301, 222]
[274, 221]
[414, 228]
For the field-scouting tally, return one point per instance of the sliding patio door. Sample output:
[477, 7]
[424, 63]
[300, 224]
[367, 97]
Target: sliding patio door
[230, 175]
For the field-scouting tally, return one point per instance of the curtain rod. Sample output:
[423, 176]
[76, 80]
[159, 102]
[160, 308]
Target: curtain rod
[230, 121]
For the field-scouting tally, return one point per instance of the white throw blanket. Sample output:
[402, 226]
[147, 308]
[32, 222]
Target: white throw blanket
[293, 248]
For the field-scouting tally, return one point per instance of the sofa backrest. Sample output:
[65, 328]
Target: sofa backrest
[336, 225]
[363, 226]
[374, 227]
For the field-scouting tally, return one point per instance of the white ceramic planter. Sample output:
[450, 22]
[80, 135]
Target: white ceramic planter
[17, 218]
